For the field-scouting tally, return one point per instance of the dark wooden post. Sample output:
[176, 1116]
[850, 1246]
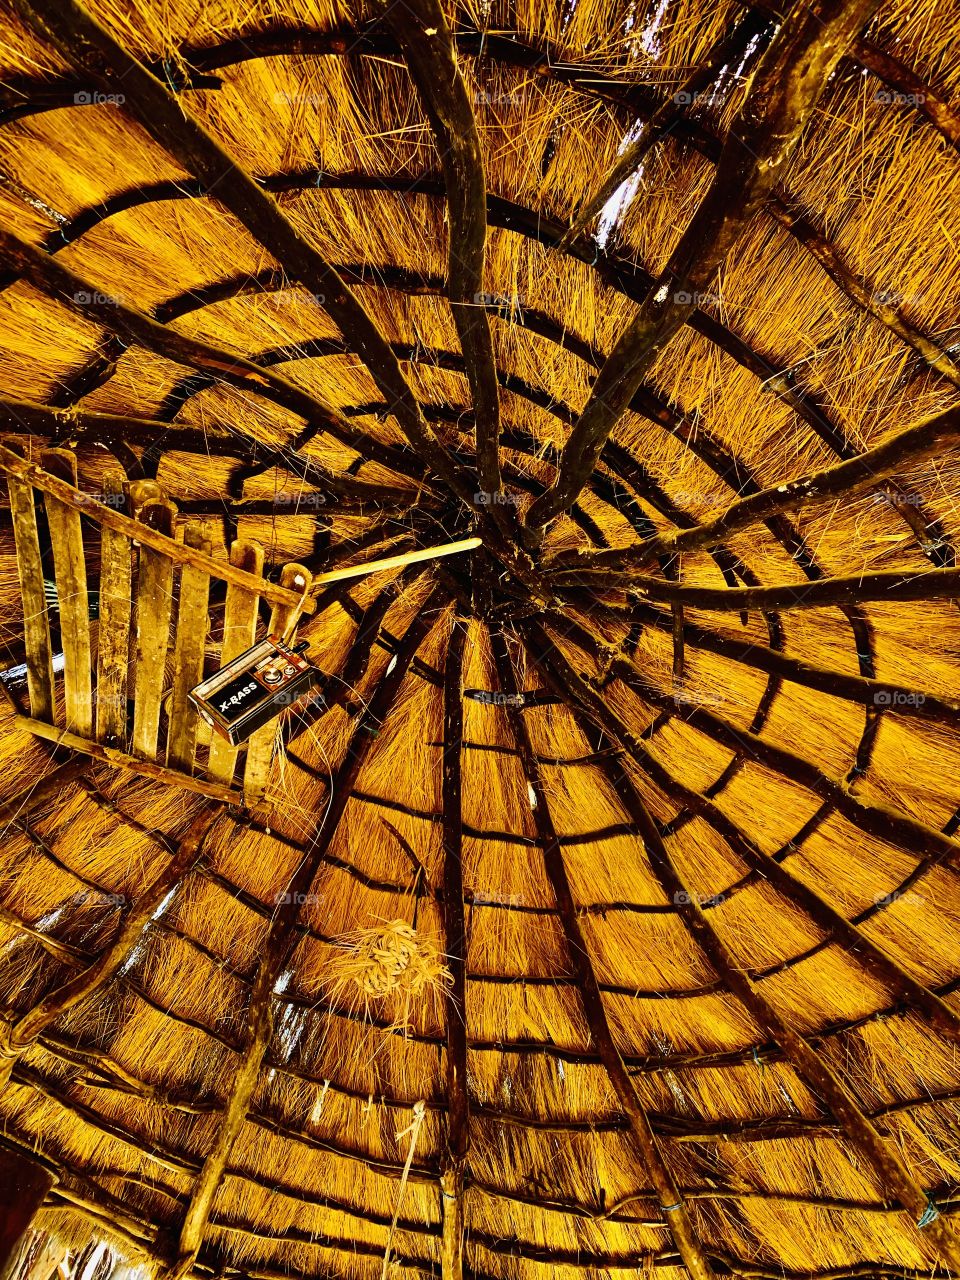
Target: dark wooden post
[23, 1187]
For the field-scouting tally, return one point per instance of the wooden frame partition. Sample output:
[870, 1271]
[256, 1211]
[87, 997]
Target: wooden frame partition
[148, 641]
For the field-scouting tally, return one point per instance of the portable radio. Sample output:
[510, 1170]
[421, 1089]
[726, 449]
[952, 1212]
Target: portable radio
[254, 688]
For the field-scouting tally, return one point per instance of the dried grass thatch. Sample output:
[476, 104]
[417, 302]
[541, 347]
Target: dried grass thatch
[682, 856]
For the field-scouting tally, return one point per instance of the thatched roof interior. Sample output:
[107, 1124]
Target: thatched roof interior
[755, 825]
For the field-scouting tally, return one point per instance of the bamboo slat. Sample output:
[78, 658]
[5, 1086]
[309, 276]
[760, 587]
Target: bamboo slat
[120, 759]
[36, 623]
[113, 636]
[239, 633]
[260, 748]
[193, 623]
[66, 538]
[154, 605]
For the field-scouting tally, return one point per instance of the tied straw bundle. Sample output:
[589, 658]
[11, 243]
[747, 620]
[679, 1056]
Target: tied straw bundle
[385, 960]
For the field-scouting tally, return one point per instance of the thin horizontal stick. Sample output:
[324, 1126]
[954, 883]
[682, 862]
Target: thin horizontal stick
[120, 759]
[395, 562]
[112, 519]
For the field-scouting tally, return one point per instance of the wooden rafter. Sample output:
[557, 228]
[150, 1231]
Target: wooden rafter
[913, 92]
[422, 31]
[852, 589]
[283, 938]
[893, 1177]
[452, 1180]
[842, 480]
[675, 1213]
[785, 89]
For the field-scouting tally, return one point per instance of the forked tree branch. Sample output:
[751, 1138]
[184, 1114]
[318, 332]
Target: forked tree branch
[786, 87]
[842, 480]
[853, 589]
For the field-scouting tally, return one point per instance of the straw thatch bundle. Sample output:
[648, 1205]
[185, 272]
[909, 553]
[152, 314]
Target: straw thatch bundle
[660, 300]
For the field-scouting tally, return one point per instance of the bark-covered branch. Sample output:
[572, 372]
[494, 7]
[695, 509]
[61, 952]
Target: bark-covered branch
[842, 480]
[787, 85]
[422, 31]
